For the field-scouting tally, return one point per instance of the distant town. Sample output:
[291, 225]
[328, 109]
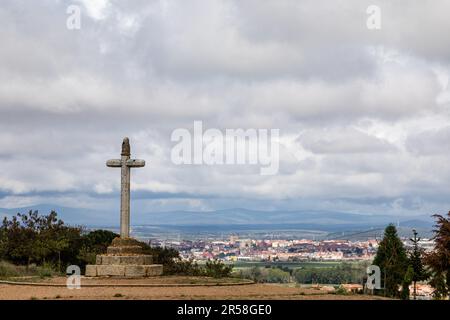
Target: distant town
[236, 249]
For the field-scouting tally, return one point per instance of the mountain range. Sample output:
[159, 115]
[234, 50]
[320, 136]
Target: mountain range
[306, 219]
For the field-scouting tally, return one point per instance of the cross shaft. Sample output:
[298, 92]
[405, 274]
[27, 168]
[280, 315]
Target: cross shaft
[125, 163]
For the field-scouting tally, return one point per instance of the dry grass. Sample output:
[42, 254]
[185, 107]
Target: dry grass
[10, 271]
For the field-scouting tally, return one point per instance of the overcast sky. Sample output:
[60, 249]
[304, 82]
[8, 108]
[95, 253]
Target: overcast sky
[364, 115]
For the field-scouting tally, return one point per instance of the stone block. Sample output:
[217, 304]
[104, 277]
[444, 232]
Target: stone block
[98, 259]
[135, 271]
[148, 259]
[131, 260]
[138, 259]
[109, 260]
[91, 271]
[110, 270]
[153, 270]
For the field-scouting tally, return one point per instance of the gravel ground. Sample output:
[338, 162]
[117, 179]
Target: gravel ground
[253, 291]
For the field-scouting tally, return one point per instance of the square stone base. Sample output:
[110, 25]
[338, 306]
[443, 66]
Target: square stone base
[124, 270]
[124, 258]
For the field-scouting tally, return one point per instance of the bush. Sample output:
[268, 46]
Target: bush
[170, 259]
[164, 256]
[265, 275]
[47, 270]
[340, 290]
[255, 274]
[184, 268]
[277, 275]
[174, 265]
[217, 269]
[341, 274]
[97, 241]
[8, 270]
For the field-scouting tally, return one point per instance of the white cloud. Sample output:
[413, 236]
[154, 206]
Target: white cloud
[96, 8]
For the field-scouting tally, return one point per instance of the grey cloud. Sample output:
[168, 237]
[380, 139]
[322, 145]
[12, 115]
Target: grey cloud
[343, 141]
[430, 142]
[144, 68]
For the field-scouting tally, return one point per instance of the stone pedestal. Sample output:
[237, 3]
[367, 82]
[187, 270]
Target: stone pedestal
[124, 258]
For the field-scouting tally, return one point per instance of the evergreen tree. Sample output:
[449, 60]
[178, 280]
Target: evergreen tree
[439, 259]
[416, 263]
[407, 280]
[393, 262]
[3, 240]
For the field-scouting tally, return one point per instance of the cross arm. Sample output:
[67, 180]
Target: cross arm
[114, 163]
[136, 163]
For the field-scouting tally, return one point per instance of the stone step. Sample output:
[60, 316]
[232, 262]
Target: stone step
[124, 270]
[124, 260]
[120, 242]
[123, 250]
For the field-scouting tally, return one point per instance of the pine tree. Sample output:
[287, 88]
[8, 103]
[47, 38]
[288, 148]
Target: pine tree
[392, 259]
[406, 283]
[416, 262]
[439, 259]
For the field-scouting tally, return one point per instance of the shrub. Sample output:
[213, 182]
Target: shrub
[341, 291]
[8, 270]
[164, 256]
[341, 274]
[174, 265]
[217, 269]
[184, 267]
[46, 270]
[265, 275]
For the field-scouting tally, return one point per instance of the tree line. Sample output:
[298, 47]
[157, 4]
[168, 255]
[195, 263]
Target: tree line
[27, 239]
[401, 268]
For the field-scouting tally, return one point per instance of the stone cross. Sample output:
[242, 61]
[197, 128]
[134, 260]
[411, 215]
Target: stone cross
[125, 163]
